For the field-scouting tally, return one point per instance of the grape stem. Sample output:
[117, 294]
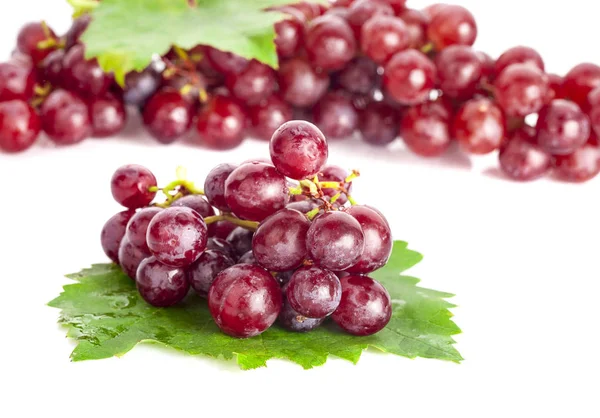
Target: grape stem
[251, 225]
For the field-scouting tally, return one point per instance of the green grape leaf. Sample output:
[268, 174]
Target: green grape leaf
[125, 34]
[107, 317]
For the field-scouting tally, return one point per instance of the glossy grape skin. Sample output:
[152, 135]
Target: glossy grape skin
[298, 149]
[359, 76]
[378, 239]
[221, 123]
[521, 89]
[488, 66]
[425, 128]
[244, 300]
[249, 258]
[383, 36]
[137, 227]
[83, 76]
[130, 186]
[167, 116]
[77, 28]
[221, 245]
[416, 23]
[197, 203]
[300, 84]
[225, 62]
[304, 206]
[580, 81]
[214, 185]
[378, 123]
[279, 243]
[433, 9]
[593, 103]
[313, 292]
[107, 114]
[254, 191]
[479, 126]
[241, 240]
[562, 127]
[289, 34]
[522, 159]
[20, 126]
[365, 307]
[335, 173]
[329, 43]
[362, 10]
[336, 115]
[459, 71]
[409, 77]
[16, 82]
[203, 272]
[131, 256]
[254, 83]
[335, 241]
[452, 25]
[293, 321]
[29, 38]
[160, 285]
[177, 236]
[555, 83]
[221, 229]
[269, 115]
[519, 55]
[50, 69]
[141, 86]
[113, 232]
[65, 118]
[581, 165]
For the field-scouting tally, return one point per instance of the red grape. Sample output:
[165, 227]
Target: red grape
[130, 186]
[580, 81]
[254, 83]
[378, 239]
[479, 126]
[137, 227]
[16, 81]
[269, 115]
[336, 115]
[240, 240]
[452, 25]
[383, 36]
[562, 127]
[416, 23]
[459, 71]
[378, 123]
[19, 126]
[313, 292]
[107, 114]
[409, 77]
[131, 256]
[581, 165]
[555, 83]
[519, 55]
[225, 62]
[221, 123]
[521, 89]
[65, 118]
[83, 76]
[425, 128]
[160, 285]
[203, 272]
[300, 84]
[359, 76]
[362, 10]
[50, 69]
[113, 233]
[167, 116]
[214, 185]
[329, 43]
[293, 321]
[289, 34]
[522, 159]
[29, 39]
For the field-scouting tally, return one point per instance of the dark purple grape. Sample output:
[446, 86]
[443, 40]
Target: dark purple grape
[521, 89]
[244, 300]
[51, 68]
[519, 55]
[20, 126]
[459, 71]
[283, 277]
[279, 243]
[304, 206]
[177, 236]
[378, 240]
[167, 116]
[140, 86]
[335, 241]
[16, 82]
[241, 240]
[378, 123]
[293, 321]
[202, 273]
[113, 233]
[359, 76]
[335, 173]
[214, 185]
[269, 115]
[254, 83]
[83, 76]
[581, 165]
[409, 77]
[299, 149]
[425, 128]
[452, 25]
[313, 292]
[365, 307]
[383, 36]
[131, 256]
[222, 245]
[107, 114]
[254, 191]
[336, 115]
[300, 84]
[222, 123]
[130, 186]
[29, 39]
[65, 118]
[160, 285]
[289, 34]
[221, 229]
[562, 127]
[329, 43]
[137, 228]
[77, 28]
[479, 126]
[248, 258]
[196, 202]
[225, 62]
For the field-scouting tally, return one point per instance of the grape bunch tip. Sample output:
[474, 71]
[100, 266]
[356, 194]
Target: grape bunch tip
[263, 242]
[395, 72]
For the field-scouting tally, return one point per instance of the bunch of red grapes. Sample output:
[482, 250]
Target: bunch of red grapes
[289, 244]
[372, 68]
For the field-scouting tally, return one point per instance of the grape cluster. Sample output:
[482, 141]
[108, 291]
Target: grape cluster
[372, 68]
[264, 241]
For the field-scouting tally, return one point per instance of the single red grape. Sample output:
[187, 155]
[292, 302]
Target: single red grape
[378, 123]
[329, 43]
[130, 186]
[167, 116]
[225, 62]
[203, 272]
[289, 33]
[113, 233]
[359, 76]
[479, 126]
[313, 292]
[562, 127]
[336, 115]
[131, 256]
[19, 126]
[254, 83]
[521, 89]
[425, 128]
[269, 115]
[522, 159]
[459, 71]
[519, 55]
[107, 114]
[581, 165]
[31, 36]
[300, 84]
[362, 10]
[580, 81]
[416, 22]
[83, 76]
[214, 185]
[137, 227]
[409, 77]
[65, 118]
[221, 123]
[160, 285]
[16, 81]
[378, 239]
[383, 36]
[452, 25]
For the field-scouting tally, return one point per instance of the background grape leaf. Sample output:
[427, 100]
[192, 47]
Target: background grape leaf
[124, 34]
[106, 316]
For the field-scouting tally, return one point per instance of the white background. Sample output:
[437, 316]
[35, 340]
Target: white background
[522, 259]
